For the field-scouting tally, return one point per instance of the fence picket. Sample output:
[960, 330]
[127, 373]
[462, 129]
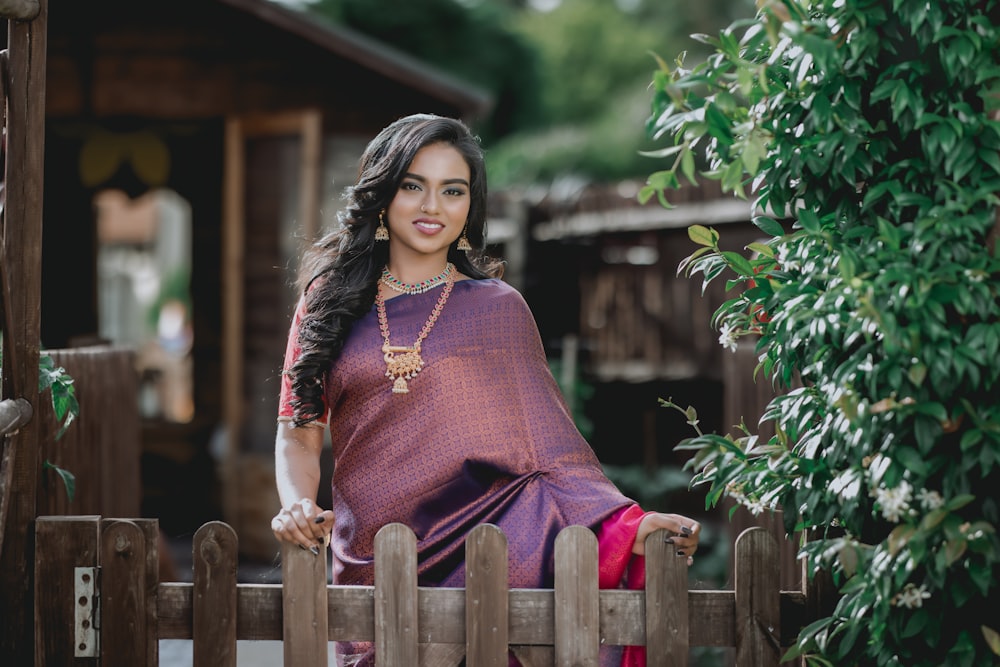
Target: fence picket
[667, 614]
[486, 597]
[305, 606]
[214, 552]
[123, 594]
[757, 581]
[395, 597]
[577, 637]
[61, 545]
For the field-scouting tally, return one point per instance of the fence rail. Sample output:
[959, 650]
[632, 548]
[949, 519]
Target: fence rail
[408, 624]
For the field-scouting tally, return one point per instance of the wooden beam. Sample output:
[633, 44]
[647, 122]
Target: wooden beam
[233, 250]
[22, 258]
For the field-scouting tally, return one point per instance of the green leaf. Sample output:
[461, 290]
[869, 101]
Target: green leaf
[68, 479]
[703, 235]
[688, 166]
[958, 502]
[916, 623]
[992, 638]
[769, 226]
[738, 263]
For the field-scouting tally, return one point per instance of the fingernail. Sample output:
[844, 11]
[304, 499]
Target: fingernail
[685, 530]
[314, 550]
[668, 540]
[319, 519]
[680, 553]
[302, 547]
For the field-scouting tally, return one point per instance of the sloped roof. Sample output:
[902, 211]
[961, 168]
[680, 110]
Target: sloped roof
[370, 53]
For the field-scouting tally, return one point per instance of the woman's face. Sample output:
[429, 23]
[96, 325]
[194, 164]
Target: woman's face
[431, 207]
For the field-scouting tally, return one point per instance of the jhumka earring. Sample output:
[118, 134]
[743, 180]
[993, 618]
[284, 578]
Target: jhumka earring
[382, 233]
[463, 241]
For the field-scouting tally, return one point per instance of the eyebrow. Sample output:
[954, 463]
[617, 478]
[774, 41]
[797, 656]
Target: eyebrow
[447, 181]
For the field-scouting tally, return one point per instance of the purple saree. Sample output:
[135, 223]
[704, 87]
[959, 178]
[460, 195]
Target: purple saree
[483, 436]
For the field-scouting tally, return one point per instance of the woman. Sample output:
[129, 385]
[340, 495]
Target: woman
[430, 373]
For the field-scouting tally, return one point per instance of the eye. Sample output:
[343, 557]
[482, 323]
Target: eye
[409, 185]
[455, 192]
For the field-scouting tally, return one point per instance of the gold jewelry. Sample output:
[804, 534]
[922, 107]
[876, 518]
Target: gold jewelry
[403, 363]
[463, 241]
[397, 285]
[382, 233]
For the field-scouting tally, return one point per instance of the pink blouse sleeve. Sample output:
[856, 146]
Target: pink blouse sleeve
[292, 351]
[618, 565]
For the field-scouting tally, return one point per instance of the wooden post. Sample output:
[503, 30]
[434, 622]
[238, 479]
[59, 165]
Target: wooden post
[304, 606]
[22, 259]
[19, 10]
[216, 560]
[63, 544]
[395, 597]
[667, 617]
[486, 583]
[577, 618]
[758, 611]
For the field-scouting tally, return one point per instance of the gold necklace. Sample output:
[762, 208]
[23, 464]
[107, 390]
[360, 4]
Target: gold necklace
[403, 363]
[397, 285]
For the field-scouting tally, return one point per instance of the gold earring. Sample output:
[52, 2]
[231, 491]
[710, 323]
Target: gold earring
[382, 233]
[463, 241]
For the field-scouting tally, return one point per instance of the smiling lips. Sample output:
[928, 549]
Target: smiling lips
[428, 225]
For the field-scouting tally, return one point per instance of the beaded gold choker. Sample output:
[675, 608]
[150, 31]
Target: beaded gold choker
[397, 285]
[403, 363]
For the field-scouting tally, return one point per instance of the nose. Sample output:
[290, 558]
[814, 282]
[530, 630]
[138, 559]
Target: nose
[430, 204]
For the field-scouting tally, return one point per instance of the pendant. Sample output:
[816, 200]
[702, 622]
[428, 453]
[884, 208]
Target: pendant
[401, 364]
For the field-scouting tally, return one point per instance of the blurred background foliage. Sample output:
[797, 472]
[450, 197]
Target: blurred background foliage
[569, 77]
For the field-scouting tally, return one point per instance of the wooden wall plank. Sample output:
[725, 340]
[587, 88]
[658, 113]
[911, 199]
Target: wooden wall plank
[577, 640]
[486, 597]
[216, 560]
[395, 597]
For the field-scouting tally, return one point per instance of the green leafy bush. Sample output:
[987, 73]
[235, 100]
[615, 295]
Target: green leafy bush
[862, 132]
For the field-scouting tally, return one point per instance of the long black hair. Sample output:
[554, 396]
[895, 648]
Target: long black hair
[339, 273]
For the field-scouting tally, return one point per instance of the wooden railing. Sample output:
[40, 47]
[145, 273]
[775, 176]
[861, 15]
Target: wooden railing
[88, 563]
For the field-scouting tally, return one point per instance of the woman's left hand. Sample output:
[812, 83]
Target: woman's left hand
[684, 535]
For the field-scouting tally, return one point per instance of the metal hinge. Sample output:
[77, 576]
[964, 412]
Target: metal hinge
[87, 612]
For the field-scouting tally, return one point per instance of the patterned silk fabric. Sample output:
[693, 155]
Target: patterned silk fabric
[483, 436]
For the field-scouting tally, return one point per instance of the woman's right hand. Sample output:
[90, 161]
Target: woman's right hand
[303, 523]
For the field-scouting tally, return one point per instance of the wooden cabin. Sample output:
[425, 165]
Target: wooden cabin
[192, 147]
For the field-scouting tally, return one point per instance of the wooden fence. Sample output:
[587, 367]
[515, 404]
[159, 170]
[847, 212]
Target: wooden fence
[103, 446]
[98, 595]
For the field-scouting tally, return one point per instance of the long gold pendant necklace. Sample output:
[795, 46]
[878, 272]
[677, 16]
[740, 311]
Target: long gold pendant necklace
[403, 363]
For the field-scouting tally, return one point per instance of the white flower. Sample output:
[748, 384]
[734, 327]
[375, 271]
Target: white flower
[930, 500]
[912, 597]
[727, 337]
[785, 260]
[755, 506]
[895, 503]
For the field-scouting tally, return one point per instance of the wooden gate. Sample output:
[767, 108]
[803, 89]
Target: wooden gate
[98, 595]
